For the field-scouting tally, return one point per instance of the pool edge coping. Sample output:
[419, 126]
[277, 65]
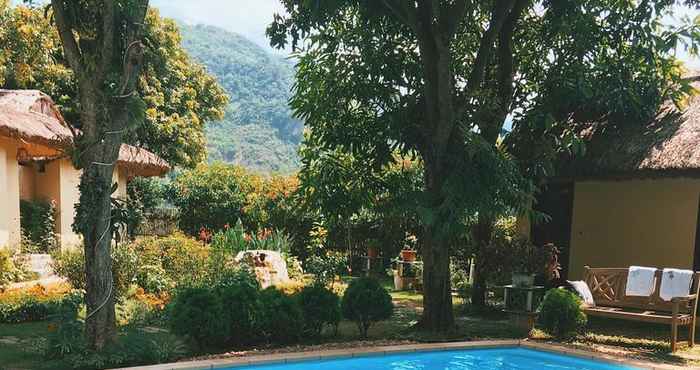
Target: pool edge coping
[292, 357]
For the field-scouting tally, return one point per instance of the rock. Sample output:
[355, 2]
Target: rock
[270, 267]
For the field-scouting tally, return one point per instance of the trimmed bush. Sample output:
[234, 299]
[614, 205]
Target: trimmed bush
[239, 295]
[279, 318]
[366, 302]
[197, 313]
[184, 259]
[561, 314]
[320, 307]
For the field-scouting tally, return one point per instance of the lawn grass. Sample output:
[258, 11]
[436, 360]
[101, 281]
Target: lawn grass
[16, 349]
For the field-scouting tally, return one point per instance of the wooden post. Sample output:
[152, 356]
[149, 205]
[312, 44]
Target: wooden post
[674, 327]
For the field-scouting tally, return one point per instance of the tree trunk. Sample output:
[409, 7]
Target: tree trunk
[437, 293]
[482, 238]
[93, 216]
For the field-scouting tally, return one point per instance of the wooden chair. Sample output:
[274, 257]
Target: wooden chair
[608, 288]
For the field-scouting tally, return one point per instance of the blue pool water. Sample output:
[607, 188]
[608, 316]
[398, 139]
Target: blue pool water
[483, 359]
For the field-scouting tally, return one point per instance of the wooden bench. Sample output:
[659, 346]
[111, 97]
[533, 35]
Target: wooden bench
[608, 288]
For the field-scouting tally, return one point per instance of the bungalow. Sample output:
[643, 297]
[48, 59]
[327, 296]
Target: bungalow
[633, 199]
[34, 165]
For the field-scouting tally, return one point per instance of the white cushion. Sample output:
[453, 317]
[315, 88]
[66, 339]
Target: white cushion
[583, 291]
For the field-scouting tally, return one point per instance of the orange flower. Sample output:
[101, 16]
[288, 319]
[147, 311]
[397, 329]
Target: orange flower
[52, 328]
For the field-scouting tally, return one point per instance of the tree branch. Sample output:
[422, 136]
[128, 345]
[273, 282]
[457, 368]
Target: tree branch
[498, 16]
[65, 31]
[404, 12]
[450, 16]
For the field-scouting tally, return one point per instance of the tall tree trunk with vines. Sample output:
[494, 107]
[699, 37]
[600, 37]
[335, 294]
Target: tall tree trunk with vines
[106, 67]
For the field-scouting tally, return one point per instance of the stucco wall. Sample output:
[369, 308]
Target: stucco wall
[70, 195]
[9, 195]
[634, 222]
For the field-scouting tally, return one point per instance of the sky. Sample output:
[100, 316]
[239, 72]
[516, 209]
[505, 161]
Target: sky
[249, 18]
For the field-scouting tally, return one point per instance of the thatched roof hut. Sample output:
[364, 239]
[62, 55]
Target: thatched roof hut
[667, 146]
[31, 117]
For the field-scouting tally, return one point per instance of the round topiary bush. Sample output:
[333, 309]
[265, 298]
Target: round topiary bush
[240, 298]
[366, 302]
[197, 313]
[279, 318]
[320, 307]
[561, 314]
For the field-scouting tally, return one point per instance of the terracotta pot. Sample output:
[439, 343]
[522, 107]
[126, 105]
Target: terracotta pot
[408, 255]
[372, 252]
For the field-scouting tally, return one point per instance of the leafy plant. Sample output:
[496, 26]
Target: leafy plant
[561, 314]
[279, 317]
[198, 314]
[70, 264]
[366, 302]
[12, 269]
[320, 307]
[326, 268]
[239, 296]
[38, 222]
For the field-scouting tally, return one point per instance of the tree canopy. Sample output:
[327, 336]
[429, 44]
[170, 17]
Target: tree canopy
[440, 77]
[180, 96]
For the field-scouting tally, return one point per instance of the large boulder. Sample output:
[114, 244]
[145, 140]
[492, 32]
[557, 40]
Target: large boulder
[269, 266]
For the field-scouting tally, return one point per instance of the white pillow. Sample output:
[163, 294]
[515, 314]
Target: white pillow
[583, 291]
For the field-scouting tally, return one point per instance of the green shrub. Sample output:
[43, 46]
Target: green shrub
[184, 259]
[238, 292]
[366, 302]
[37, 221]
[561, 314]
[153, 279]
[30, 308]
[70, 264]
[279, 317]
[326, 268]
[11, 269]
[320, 307]
[198, 314]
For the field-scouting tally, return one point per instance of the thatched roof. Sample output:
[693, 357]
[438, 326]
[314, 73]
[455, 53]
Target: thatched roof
[667, 146]
[31, 117]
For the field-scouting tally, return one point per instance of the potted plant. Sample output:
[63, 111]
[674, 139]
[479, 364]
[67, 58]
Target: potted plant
[408, 255]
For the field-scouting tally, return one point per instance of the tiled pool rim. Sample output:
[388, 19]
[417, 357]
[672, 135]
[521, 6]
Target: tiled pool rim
[278, 358]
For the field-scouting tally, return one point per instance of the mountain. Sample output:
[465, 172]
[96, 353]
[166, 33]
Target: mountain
[258, 130]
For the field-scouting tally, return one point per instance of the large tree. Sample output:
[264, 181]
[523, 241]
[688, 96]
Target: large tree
[440, 77]
[180, 96]
[104, 46]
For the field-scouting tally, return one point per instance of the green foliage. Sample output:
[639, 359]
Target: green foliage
[320, 307]
[12, 269]
[28, 307]
[279, 317]
[153, 279]
[70, 264]
[326, 268]
[239, 295]
[258, 130]
[561, 314]
[184, 261]
[366, 302]
[198, 314]
[179, 96]
[37, 221]
[211, 196]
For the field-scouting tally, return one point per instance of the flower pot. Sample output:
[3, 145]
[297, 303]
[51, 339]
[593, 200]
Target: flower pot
[523, 280]
[408, 255]
[372, 252]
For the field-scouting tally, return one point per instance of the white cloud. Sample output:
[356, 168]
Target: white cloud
[249, 18]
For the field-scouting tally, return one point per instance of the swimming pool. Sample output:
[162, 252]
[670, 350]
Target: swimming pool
[470, 359]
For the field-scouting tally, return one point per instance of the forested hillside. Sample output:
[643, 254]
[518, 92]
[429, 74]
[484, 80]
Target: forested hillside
[258, 130]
